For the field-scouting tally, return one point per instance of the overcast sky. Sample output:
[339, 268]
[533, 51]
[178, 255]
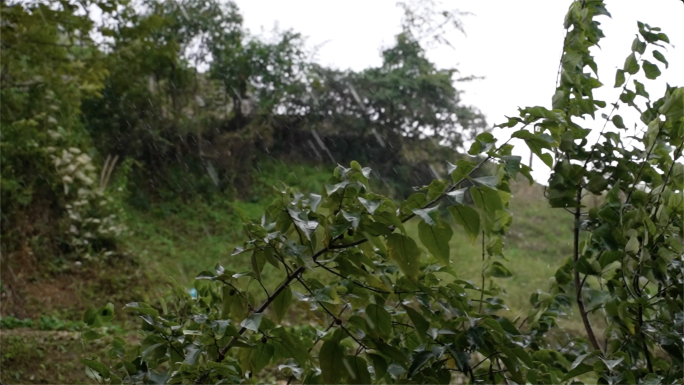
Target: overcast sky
[515, 45]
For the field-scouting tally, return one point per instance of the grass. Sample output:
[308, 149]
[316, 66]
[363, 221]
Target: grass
[183, 238]
[179, 239]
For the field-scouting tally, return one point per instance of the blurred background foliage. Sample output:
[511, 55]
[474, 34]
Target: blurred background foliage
[115, 103]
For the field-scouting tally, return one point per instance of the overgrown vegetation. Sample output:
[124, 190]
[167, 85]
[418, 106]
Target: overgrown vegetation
[339, 279]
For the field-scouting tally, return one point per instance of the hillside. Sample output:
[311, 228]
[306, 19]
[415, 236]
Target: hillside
[178, 239]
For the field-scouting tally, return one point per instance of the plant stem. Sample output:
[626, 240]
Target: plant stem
[643, 340]
[482, 273]
[578, 282]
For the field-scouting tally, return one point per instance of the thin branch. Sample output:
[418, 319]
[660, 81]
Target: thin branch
[353, 281]
[320, 337]
[263, 287]
[337, 320]
[578, 283]
[488, 357]
[482, 273]
[239, 292]
[643, 340]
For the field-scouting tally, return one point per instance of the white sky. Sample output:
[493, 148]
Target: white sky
[515, 45]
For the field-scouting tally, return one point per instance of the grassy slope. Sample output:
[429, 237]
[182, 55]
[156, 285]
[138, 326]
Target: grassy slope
[180, 239]
[197, 235]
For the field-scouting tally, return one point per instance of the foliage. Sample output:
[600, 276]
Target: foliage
[188, 82]
[632, 244]
[49, 66]
[389, 306]
[10, 322]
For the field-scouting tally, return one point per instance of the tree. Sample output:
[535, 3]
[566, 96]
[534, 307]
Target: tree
[49, 64]
[392, 312]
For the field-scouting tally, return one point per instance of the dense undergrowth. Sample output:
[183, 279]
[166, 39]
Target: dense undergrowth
[179, 238]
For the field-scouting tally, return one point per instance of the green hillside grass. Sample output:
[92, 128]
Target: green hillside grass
[179, 239]
[190, 237]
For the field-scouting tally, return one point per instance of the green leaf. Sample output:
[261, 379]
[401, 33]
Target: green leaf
[331, 359]
[617, 121]
[378, 320]
[370, 205]
[97, 366]
[142, 308]
[436, 239]
[577, 371]
[661, 58]
[357, 368]
[419, 322]
[496, 269]
[429, 215]
[90, 318]
[673, 108]
[458, 195]
[91, 335]
[597, 184]
[631, 64]
[419, 360]
[300, 219]
[651, 70]
[512, 164]
[415, 201]
[258, 261]
[393, 353]
[379, 365]
[640, 89]
[486, 198]
[559, 100]
[404, 251]
[483, 143]
[619, 78]
[638, 46]
[252, 322]
[462, 169]
[632, 246]
[191, 355]
[281, 304]
[524, 357]
[489, 181]
[467, 217]
[537, 142]
[262, 356]
[527, 172]
[508, 326]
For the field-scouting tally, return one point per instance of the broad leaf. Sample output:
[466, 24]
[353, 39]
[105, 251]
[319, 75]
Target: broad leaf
[357, 370]
[404, 251]
[419, 322]
[651, 70]
[281, 304]
[378, 320]
[252, 322]
[631, 65]
[436, 239]
[331, 359]
[467, 217]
